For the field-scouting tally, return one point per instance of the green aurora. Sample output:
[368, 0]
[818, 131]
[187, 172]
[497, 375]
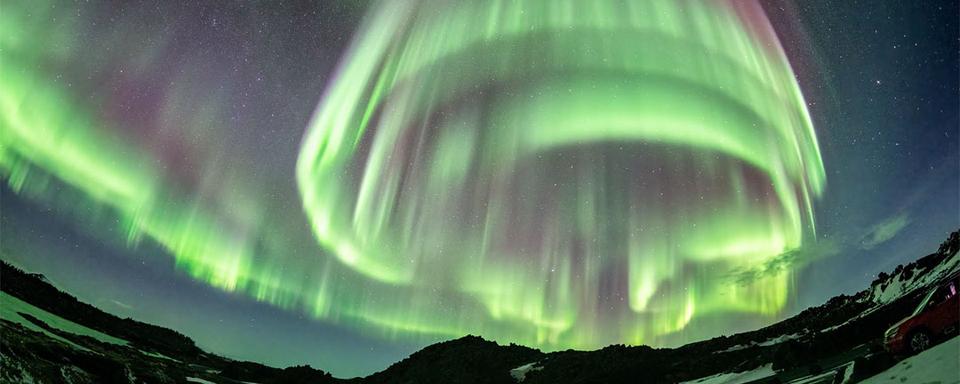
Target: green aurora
[497, 144]
[556, 174]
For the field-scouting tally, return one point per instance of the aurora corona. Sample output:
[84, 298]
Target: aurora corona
[551, 173]
[571, 173]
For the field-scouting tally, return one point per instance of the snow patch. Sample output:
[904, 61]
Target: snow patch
[765, 343]
[779, 339]
[821, 378]
[847, 373]
[130, 377]
[159, 356]
[199, 380]
[761, 372]
[10, 306]
[520, 373]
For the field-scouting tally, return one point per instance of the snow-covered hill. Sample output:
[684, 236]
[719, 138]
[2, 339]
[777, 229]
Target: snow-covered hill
[921, 273]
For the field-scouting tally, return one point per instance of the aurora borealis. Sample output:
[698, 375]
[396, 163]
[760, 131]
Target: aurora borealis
[515, 179]
[554, 174]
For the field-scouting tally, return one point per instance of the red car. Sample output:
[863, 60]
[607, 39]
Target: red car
[937, 316]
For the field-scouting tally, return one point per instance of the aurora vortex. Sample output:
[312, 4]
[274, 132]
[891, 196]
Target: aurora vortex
[551, 173]
[570, 173]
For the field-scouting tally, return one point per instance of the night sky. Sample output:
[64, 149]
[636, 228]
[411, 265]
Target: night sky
[343, 183]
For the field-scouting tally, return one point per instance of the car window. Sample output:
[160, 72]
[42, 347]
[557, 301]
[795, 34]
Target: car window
[937, 296]
[943, 293]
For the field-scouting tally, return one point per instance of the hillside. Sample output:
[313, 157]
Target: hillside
[50, 337]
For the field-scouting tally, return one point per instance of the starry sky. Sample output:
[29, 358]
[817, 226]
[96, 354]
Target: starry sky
[343, 183]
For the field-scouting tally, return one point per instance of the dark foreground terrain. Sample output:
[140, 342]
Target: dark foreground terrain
[48, 336]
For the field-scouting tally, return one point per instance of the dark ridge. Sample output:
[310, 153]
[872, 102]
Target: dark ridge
[469, 358]
[34, 289]
[106, 363]
[843, 324]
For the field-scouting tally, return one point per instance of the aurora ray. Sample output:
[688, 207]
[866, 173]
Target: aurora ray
[55, 150]
[573, 173]
[557, 174]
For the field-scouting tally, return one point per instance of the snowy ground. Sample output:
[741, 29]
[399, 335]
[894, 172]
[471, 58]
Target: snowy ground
[732, 378]
[199, 380]
[10, 306]
[940, 364]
